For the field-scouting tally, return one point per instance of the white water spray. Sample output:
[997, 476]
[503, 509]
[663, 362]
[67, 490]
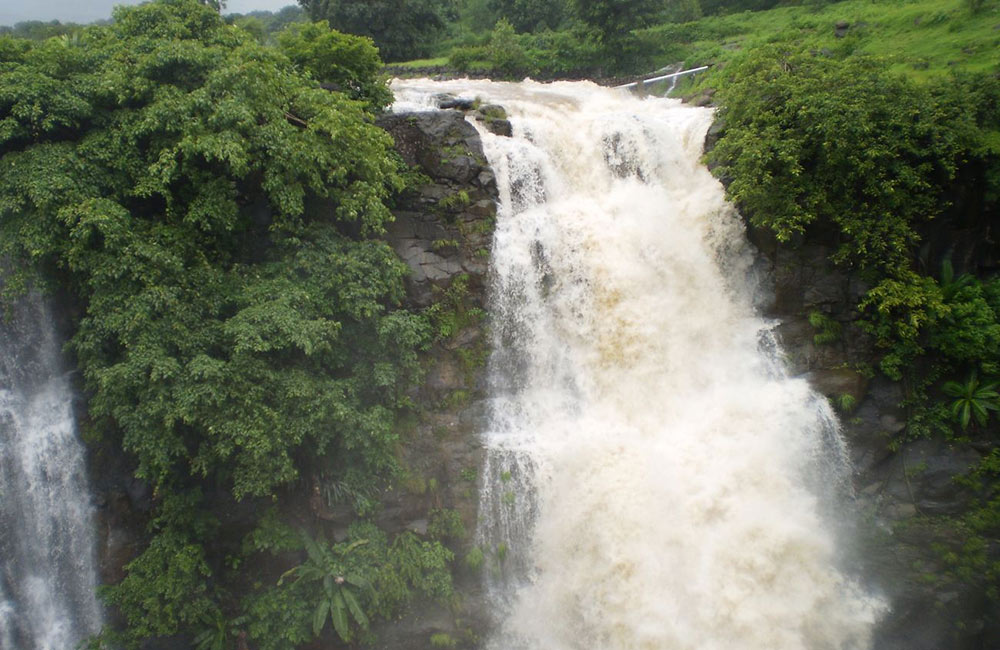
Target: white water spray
[654, 480]
[47, 569]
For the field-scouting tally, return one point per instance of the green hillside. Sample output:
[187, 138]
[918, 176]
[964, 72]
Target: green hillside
[921, 38]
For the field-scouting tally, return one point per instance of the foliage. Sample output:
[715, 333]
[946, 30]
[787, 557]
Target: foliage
[213, 212]
[956, 325]
[474, 559]
[220, 633]
[343, 589]
[845, 403]
[531, 15]
[901, 308]
[610, 25]
[271, 535]
[401, 29]
[451, 313]
[348, 63]
[37, 30]
[972, 558]
[812, 140]
[828, 330]
[376, 579]
[921, 39]
[712, 7]
[614, 19]
[263, 25]
[505, 54]
[414, 566]
[168, 586]
[442, 640]
[860, 156]
[973, 400]
[195, 306]
[446, 524]
[463, 58]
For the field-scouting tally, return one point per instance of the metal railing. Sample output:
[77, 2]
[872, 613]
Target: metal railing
[673, 75]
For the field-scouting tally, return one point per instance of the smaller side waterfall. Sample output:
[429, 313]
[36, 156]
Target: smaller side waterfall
[47, 567]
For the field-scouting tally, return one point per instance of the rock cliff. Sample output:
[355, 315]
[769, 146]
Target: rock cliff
[443, 232]
[908, 493]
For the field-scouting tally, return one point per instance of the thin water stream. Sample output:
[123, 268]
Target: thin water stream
[48, 579]
[654, 479]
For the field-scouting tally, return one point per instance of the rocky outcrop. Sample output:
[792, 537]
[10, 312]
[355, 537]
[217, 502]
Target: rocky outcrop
[442, 230]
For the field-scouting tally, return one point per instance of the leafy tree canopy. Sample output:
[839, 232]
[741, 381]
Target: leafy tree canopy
[402, 29]
[871, 161]
[212, 209]
[349, 63]
[531, 15]
[167, 179]
[815, 140]
[614, 19]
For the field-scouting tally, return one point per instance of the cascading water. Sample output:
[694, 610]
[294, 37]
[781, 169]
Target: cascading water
[654, 480]
[47, 574]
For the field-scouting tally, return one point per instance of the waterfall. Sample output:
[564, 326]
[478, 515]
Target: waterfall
[654, 479]
[47, 569]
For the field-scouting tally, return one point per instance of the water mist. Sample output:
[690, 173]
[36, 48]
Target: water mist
[654, 479]
[48, 579]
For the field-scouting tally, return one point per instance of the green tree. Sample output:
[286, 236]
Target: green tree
[810, 139]
[506, 55]
[614, 19]
[531, 15]
[348, 63]
[401, 29]
[213, 212]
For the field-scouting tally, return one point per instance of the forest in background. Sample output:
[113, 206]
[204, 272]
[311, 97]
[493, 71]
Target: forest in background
[200, 251]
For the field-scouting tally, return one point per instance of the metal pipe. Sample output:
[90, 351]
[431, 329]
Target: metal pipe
[662, 77]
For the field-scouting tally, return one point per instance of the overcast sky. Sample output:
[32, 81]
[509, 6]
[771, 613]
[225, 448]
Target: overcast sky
[85, 11]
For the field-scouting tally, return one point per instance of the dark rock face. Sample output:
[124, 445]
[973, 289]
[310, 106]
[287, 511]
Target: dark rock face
[444, 229]
[907, 494]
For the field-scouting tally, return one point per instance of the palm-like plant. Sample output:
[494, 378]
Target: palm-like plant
[950, 284]
[330, 566]
[973, 400]
[217, 631]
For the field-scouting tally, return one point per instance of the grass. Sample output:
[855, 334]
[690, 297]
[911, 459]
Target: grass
[925, 39]
[421, 63]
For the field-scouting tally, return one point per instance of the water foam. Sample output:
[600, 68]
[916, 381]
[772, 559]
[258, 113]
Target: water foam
[48, 579]
[654, 479]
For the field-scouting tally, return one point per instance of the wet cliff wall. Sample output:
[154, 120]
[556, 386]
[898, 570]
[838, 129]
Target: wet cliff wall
[911, 494]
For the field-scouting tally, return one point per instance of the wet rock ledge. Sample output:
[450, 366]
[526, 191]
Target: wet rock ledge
[443, 231]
